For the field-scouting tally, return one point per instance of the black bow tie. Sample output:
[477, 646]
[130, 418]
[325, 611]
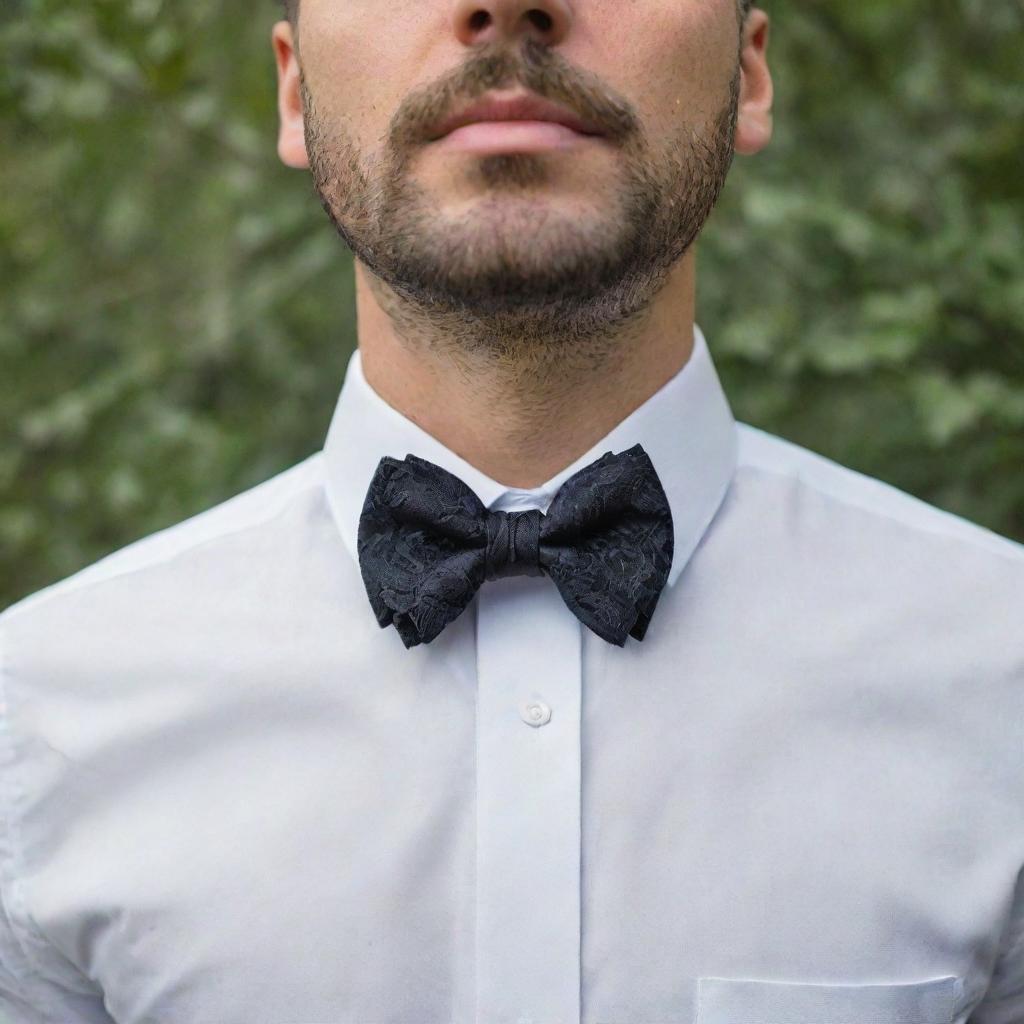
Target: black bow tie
[427, 543]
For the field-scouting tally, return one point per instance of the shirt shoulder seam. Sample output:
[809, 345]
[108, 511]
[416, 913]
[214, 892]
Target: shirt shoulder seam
[306, 473]
[958, 528]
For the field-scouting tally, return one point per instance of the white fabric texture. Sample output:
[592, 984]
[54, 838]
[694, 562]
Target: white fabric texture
[229, 797]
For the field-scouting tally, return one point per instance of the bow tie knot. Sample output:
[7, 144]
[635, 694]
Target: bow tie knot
[513, 544]
[427, 543]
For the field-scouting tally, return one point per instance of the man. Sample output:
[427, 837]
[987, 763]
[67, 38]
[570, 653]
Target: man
[546, 692]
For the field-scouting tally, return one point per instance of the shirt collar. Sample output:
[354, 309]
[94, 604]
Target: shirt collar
[686, 427]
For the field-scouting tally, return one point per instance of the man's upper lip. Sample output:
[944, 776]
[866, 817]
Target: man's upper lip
[518, 108]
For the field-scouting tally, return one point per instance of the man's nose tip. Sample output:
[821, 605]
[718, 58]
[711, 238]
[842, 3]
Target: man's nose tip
[483, 21]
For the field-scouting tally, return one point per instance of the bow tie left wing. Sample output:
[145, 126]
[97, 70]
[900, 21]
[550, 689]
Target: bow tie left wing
[607, 543]
[422, 544]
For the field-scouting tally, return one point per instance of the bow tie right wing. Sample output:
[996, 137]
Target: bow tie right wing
[422, 547]
[607, 542]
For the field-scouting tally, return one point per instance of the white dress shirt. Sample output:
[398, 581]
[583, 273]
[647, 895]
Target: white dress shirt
[229, 797]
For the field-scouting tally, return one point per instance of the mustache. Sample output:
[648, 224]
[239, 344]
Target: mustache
[533, 66]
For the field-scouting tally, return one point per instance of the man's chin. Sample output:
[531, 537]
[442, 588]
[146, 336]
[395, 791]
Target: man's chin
[515, 244]
[513, 278]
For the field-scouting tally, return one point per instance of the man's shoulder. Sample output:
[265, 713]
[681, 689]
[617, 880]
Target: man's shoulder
[847, 495]
[142, 561]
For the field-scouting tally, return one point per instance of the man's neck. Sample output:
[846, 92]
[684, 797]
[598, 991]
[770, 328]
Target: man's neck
[521, 422]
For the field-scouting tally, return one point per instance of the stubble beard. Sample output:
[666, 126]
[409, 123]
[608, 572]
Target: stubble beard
[513, 280]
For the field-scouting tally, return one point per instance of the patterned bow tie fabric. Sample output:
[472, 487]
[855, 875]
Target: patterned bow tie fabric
[427, 543]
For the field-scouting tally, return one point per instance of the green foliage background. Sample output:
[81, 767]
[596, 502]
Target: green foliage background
[176, 312]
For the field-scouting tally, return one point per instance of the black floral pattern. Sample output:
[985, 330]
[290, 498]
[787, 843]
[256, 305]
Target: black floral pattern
[427, 543]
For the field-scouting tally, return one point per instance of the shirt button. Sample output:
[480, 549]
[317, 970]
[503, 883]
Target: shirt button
[535, 712]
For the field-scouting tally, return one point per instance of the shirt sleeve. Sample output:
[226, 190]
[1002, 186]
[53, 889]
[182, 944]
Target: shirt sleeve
[26, 995]
[1003, 1002]
[30, 991]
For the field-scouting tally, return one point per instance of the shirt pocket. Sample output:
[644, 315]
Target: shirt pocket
[749, 1001]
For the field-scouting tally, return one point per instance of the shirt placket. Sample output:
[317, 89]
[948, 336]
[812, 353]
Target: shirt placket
[529, 698]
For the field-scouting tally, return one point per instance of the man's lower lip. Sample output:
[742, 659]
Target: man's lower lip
[511, 137]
